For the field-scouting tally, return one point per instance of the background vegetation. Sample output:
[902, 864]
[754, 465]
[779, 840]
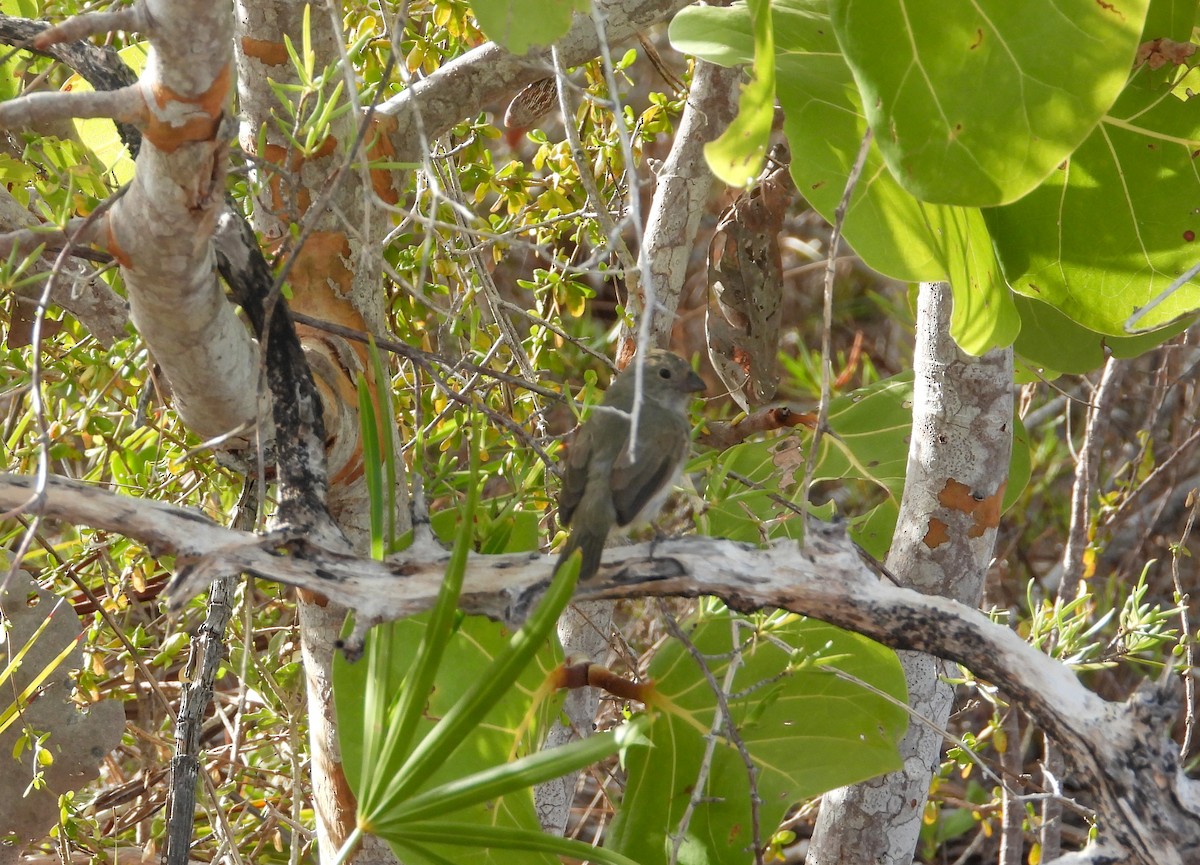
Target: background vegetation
[512, 205]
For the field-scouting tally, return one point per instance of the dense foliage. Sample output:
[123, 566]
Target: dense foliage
[1080, 249]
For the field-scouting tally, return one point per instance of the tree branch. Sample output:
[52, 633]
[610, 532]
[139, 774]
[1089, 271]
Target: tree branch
[41, 109]
[684, 182]
[489, 74]
[1147, 806]
[132, 18]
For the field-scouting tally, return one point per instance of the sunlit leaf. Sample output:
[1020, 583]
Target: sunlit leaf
[922, 66]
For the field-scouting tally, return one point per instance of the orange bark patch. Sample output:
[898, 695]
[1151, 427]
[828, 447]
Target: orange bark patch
[984, 511]
[311, 597]
[169, 137]
[320, 281]
[114, 248]
[269, 52]
[278, 155]
[275, 154]
[327, 147]
[323, 267]
[937, 535]
[380, 149]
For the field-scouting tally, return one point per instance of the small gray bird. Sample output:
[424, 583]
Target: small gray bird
[606, 486]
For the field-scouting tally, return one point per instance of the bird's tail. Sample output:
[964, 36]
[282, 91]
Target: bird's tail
[591, 545]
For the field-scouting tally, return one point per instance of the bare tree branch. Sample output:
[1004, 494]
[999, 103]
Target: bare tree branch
[158, 230]
[684, 183]
[489, 74]
[41, 109]
[1149, 809]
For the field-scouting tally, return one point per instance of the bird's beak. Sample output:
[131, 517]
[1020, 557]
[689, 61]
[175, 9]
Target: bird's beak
[695, 384]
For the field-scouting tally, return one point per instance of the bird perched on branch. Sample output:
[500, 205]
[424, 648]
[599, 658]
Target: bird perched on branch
[617, 480]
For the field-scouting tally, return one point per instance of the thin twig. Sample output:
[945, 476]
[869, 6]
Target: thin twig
[81, 230]
[1086, 468]
[1012, 809]
[1182, 599]
[132, 19]
[643, 277]
[835, 242]
[423, 359]
[1071, 582]
[722, 717]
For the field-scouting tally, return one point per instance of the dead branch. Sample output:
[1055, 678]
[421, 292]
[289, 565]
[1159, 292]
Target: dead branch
[1149, 810]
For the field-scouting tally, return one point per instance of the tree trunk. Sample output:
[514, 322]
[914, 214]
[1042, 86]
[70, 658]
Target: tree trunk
[957, 468]
[334, 275]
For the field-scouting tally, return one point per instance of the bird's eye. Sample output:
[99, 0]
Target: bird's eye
[663, 372]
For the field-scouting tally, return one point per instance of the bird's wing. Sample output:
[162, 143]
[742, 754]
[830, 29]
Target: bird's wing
[575, 475]
[636, 482]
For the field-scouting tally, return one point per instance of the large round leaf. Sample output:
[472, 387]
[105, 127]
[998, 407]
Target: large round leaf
[805, 729]
[892, 231]
[1112, 228]
[967, 104]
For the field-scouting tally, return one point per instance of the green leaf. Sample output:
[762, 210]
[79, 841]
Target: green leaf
[20, 8]
[16, 172]
[984, 315]
[868, 442]
[1172, 19]
[712, 33]
[100, 135]
[383, 771]
[736, 158]
[372, 463]
[395, 752]
[520, 25]
[1098, 238]
[489, 843]
[923, 67]
[506, 778]
[1112, 228]
[388, 464]
[510, 726]
[1056, 344]
[750, 512]
[892, 231]
[526, 532]
[806, 730]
